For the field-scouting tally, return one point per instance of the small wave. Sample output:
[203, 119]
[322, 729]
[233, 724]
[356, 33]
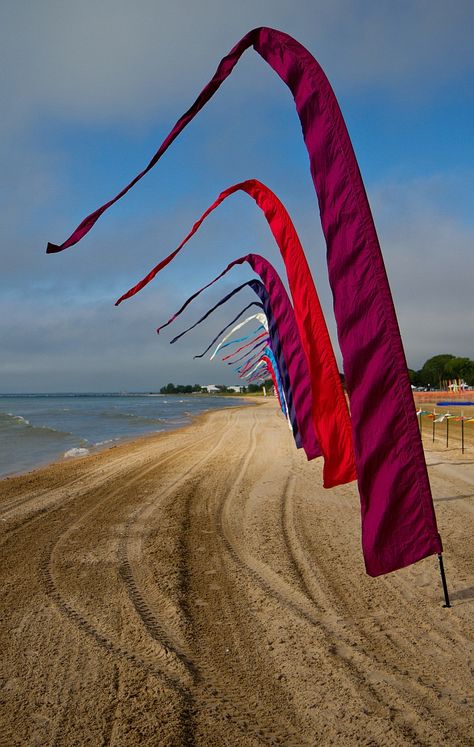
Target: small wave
[44, 431]
[135, 418]
[76, 452]
[9, 421]
[18, 425]
[18, 418]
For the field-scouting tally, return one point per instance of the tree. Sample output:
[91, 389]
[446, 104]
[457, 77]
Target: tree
[414, 376]
[434, 370]
[168, 389]
[461, 368]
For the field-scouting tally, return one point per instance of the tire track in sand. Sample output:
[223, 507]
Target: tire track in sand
[169, 647]
[81, 500]
[137, 588]
[58, 498]
[11, 504]
[210, 691]
[302, 604]
[258, 723]
[79, 619]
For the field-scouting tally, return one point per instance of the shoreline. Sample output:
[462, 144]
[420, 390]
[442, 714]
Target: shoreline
[120, 441]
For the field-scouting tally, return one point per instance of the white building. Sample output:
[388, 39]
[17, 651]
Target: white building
[210, 388]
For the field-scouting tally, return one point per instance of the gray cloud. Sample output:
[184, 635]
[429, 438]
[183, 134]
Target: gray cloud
[430, 263]
[96, 347]
[123, 62]
[64, 338]
[126, 71]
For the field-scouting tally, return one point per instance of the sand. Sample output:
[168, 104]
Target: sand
[201, 588]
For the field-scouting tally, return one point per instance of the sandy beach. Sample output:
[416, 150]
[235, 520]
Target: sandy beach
[200, 587]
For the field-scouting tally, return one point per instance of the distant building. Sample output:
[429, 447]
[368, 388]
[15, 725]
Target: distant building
[212, 388]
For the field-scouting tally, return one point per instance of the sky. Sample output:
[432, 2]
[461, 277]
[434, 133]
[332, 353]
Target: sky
[90, 89]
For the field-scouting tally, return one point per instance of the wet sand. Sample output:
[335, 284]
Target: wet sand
[201, 588]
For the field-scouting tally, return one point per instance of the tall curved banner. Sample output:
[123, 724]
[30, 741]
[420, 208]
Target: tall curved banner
[287, 347]
[241, 339]
[214, 340]
[330, 412]
[398, 519]
[281, 317]
[260, 372]
[247, 344]
[248, 366]
[225, 340]
[270, 362]
[258, 365]
[330, 417]
[247, 355]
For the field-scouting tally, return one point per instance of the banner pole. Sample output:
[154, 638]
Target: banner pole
[434, 418]
[447, 432]
[443, 581]
[462, 435]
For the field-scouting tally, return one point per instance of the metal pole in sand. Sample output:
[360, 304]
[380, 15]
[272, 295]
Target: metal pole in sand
[447, 432]
[434, 418]
[443, 581]
[462, 433]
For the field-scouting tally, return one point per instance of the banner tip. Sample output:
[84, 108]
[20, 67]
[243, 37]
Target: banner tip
[53, 248]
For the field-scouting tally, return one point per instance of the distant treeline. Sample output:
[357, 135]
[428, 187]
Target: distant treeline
[435, 374]
[443, 368]
[222, 389]
[181, 389]
[252, 388]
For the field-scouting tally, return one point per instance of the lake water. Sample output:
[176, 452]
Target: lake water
[36, 429]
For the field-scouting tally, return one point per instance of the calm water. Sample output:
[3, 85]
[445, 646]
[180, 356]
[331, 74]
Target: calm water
[36, 429]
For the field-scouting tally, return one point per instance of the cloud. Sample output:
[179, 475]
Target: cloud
[122, 62]
[71, 337]
[430, 264]
[96, 347]
[89, 90]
